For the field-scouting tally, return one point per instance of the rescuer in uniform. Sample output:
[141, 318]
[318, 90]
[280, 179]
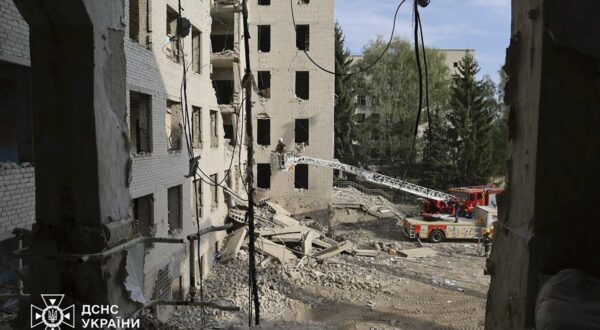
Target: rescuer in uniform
[280, 149]
[487, 242]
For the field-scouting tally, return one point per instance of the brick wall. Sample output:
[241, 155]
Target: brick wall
[14, 34]
[17, 196]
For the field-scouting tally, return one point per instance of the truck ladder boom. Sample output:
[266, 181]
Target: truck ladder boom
[376, 178]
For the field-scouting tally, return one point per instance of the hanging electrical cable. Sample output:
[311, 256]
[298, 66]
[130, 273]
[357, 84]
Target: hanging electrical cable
[369, 66]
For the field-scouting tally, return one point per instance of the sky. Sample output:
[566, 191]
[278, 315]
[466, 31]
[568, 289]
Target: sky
[482, 25]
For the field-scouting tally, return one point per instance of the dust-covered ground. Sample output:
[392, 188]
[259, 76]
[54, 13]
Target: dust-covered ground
[349, 292]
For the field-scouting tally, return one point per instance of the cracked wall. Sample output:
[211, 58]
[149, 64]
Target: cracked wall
[548, 220]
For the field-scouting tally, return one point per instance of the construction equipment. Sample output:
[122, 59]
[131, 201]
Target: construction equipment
[287, 161]
[444, 215]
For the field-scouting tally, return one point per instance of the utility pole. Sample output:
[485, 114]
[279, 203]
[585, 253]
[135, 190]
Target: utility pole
[247, 81]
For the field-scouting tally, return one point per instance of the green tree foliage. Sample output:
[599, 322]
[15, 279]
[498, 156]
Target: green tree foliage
[344, 103]
[471, 117]
[500, 130]
[393, 84]
[437, 167]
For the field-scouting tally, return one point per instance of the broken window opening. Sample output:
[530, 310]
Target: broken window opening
[264, 2]
[264, 38]
[198, 195]
[16, 124]
[224, 91]
[196, 127]
[228, 127]
[263, 131]
[143, 215]
[196, 50]
[263, 176]
[221, 42]
[303, 37]
[301, 131]
[214, 129]
[214, 191]
[139, 22]
[174, 207]
[302, 85]
[172, 50]
[301, 176]
[264, 83]
[140, 121]
[173, 125]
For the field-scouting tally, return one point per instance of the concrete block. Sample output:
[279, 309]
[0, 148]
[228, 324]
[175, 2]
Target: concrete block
[233, 245]
[418, 253]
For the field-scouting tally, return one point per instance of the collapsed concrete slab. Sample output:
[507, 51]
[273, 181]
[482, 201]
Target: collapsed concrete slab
[365, 253]
[285, 220]
[274, 250]
[233, 245]
[334, 250]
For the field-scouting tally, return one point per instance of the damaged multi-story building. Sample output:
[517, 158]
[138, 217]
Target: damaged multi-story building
[293, 101]
[163, 202]
[296, 99]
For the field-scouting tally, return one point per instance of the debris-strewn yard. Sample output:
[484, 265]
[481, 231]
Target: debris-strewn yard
[444, 289]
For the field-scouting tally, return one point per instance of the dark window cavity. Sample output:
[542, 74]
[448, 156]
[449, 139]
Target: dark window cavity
[302, 85]
[140, 122]
[301, 176]
[263, 176]
[303, 37]
[264, 38]
[264, 83]
[263, 131]
[301, 131]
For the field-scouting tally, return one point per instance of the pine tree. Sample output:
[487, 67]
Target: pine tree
[437, 168]
[344, 103]
[470, 118]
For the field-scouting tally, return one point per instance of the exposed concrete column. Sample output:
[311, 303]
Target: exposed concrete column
[81, 143]
[548, 215]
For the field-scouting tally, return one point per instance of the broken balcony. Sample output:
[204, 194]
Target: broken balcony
[225, 34]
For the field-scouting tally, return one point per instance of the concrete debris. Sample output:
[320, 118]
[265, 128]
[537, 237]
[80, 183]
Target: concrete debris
[278, 209]
[334, 250]
[291, 237]
[233, 244]
[308, 242]
[285, 220]
[418, 253]
[365, 253]
[274, 250]
[279, 231]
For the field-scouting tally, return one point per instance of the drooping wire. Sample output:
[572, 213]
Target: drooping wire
[365, 69]
[418, 33]
[429, 122]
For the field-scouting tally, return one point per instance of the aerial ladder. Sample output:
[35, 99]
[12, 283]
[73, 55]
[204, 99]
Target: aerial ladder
[446, 224]
[288, 160]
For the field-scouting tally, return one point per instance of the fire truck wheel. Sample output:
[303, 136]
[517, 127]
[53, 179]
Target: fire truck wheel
[436, 236]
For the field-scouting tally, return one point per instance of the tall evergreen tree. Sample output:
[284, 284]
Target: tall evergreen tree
[470, 116]
[344, 102]
[437, 168]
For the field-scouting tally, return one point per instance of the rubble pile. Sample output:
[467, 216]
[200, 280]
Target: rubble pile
[373, 204]
[286, 239]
